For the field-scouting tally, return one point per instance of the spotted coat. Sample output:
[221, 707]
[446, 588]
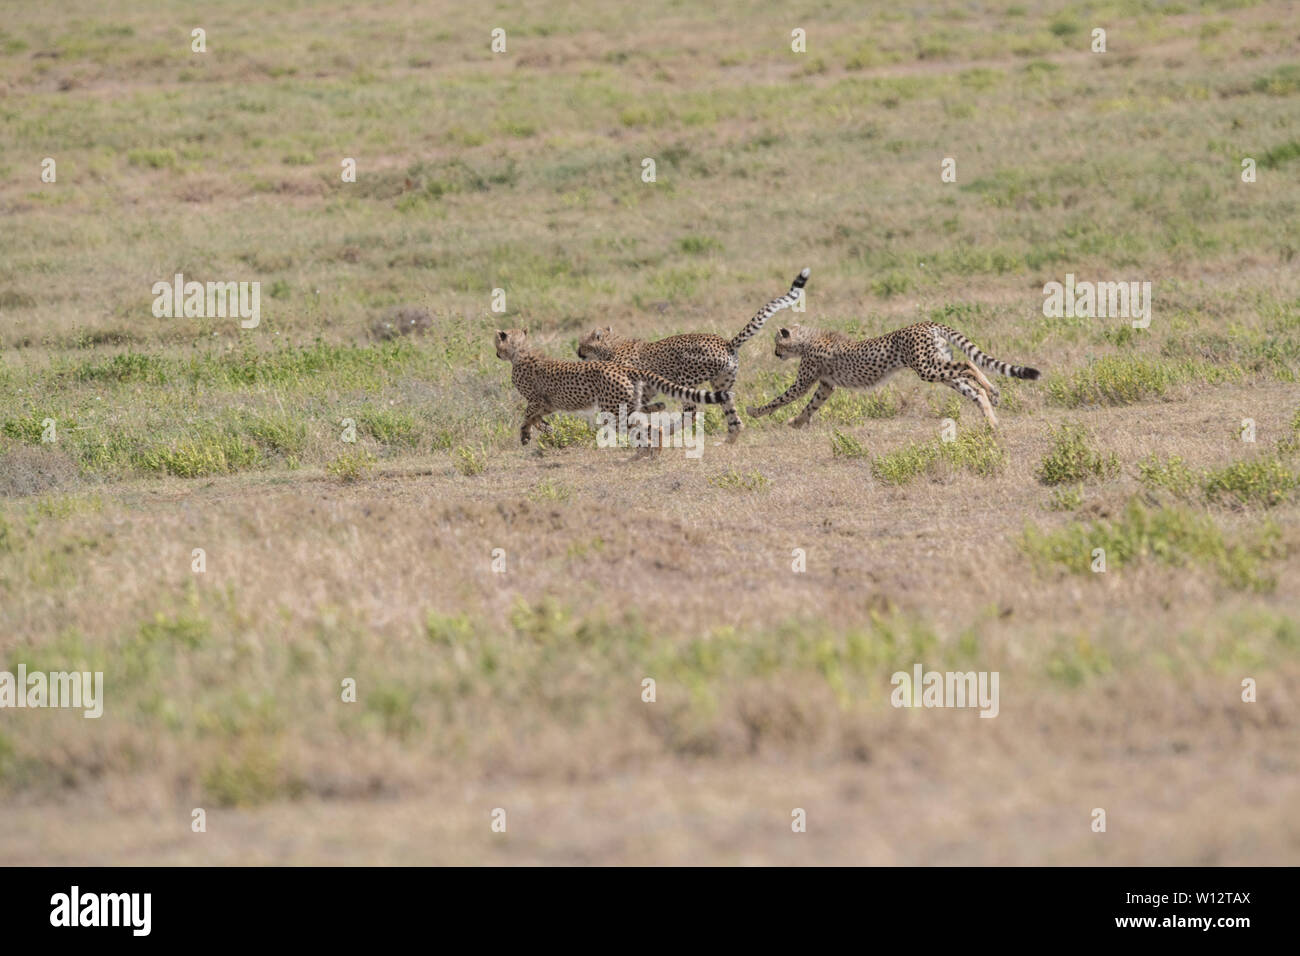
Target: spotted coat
[831, 359]
[692, 358]
[554, 385]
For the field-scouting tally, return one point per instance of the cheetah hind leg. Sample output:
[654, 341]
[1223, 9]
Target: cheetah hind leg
[973, 391]
[993, 395]
[726, 382]
[987, 408]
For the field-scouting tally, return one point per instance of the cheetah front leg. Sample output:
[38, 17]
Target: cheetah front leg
[638, 421]
[802, 383]
[534, 416]
[650, 438]
[823, 392]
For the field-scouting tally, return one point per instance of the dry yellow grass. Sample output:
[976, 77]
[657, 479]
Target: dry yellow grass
[1118, 690]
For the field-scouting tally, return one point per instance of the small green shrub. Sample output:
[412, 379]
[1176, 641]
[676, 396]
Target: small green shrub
[470, 461]
[846, 446]
[389, 427]
[548, 490]
[567, 430]
[1073, 460]
[1264, 481]
[1173, 476]
[1066, 499]
[352, 466]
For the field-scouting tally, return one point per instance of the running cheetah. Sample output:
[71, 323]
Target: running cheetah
[552, 385]
[690, 359]
[832, 358]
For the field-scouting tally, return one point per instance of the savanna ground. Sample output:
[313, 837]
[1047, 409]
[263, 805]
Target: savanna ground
[372, 560]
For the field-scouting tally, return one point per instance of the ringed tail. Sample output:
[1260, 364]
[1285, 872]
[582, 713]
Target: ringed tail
[983, 360]
[772, 308]
[697, 396]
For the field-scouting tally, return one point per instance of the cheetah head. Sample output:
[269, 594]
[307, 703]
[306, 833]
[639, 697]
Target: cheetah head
[597, 345]
[510, 342]
[789, 342]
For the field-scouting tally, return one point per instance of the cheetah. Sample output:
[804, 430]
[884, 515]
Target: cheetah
[690, 359]
[828, 359]
[553, 385]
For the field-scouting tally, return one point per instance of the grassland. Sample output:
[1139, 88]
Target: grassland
[373, 560]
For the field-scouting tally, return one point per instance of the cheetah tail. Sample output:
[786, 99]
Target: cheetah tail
[696, 396]
[986, 361]
[766, 312]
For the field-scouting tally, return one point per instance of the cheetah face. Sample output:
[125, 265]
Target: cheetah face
[510, 342]
[596, 346]
[787, 343]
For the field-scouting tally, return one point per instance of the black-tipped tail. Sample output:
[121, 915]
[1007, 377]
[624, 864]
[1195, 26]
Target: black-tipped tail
[1024, 371]
[767, 311]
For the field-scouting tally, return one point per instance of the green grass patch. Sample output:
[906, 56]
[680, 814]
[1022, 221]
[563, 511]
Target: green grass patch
[846, 407]
[975, 450]
[1174, 536]
[210, 452]
[1126, 380]
[733, 480]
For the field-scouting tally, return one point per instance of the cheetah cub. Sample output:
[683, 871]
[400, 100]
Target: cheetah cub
[690, 359]
[553, 385]
[828, 359]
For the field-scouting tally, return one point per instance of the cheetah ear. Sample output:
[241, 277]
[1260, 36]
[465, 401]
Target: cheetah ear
[501, 335]
[598, 334]
[525, 331]
[609, 328]
[784, 333]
